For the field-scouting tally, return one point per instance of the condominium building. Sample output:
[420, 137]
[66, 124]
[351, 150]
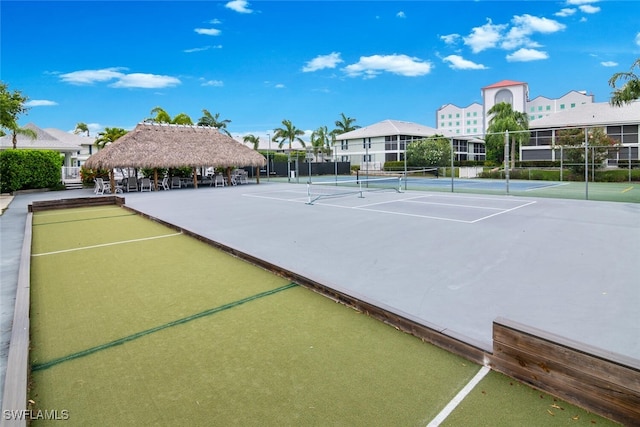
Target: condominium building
[474, 119]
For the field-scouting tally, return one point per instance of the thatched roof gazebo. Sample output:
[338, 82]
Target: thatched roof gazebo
[153, 145]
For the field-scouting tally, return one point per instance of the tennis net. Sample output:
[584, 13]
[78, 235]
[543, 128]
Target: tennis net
[327, 189]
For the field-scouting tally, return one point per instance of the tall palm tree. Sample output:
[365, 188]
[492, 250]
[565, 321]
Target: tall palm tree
[288, 133]
[320, 141]
[81, 127]
[505, 118]
[252, 139]
[344, 125]
[161, 116]
[108, 136]
[630, 91]
[214, 121]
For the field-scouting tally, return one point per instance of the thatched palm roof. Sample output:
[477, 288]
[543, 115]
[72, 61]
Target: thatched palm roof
[152, 145]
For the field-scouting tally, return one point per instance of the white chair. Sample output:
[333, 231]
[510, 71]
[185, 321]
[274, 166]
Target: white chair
[132, 184]
[243, 177]
[102, 187]
[145, 184]
[218, 180]
[164, 185]
[175, 182]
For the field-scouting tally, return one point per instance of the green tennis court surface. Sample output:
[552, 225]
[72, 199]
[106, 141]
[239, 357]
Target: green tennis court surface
[135, 324]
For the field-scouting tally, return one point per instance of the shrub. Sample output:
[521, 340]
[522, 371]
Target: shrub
[29, 169]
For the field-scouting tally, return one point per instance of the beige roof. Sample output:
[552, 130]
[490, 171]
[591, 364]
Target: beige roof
[592, 114]
[49, 139]
[152, 145]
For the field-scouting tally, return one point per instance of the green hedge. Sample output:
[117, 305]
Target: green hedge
[29, 169]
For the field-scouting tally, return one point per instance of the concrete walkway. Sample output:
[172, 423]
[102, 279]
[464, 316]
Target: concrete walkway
[451, 261]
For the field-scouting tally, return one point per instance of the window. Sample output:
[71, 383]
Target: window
[562, 106]
[344, 144]
[533, 109]
[540, 108]
[504, 95]
[468, 122]
[441, 124]
[344, 158]
[364, 143]
[532, 117]
[475, 122]
[449, 115]
[468, 114]
[366, 158]
[475, 114]
[449, 123]
[573, 105]
[442, 116]
[457, 115]
[548, 107]
[457, 123]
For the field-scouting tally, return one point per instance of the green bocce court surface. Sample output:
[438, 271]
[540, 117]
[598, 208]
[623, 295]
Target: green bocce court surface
[133, 323]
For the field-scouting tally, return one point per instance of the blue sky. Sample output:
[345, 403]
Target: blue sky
[108, 64]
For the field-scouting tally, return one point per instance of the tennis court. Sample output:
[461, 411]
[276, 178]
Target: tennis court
[133, 322]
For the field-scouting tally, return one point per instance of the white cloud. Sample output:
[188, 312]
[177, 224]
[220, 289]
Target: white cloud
[563, 13]
[215, 83]
[323, 61]
[202, 49]
[145, 81]
[484, 37]
[215, 22]
[525, 55]
[240, 6]
[87, 77]
[400, 15]
[638, 39]
[587, 8]
[457, 62]
[279, 86]
[526, 25]
[40, 103]
[208, 31]
[609, 64]
[140, 80]
[450, 38]
[370, 66]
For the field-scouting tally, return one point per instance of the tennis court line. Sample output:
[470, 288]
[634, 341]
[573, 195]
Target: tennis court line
[82, 219]
[503, 212]
[544, 187]
[67, 212]
[459, 397]
[87, 352]
[107, 244]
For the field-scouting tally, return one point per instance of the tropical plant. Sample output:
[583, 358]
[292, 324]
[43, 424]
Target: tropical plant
[12, 104]
[320, 141]
[81, 127]
[288, 133]
[505, 118]
[108, 136]
[573, 147]
[252, 139]
[434, 151]
[214, 121]
[344, 125]
[161, 116]
[629, 91]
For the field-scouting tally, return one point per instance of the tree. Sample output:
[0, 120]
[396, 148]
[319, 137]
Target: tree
[320, 141]
[344, 125]
[573, 148]
[629, 91]
[81, 127]
[161, 116]
[108, 136]
[505, 119]
[288, 133]
[434, 151]
[252, 139]
[214, 121]
[12, 104]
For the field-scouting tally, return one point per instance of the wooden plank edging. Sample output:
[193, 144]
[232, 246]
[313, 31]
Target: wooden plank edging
[600, 381]
[14, 398]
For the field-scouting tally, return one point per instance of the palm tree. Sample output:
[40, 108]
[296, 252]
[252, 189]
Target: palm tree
[252, 139]
[506, 119]
[161, 116]
[630, 91]
[214, 121]
[344, 125]
[17, 130]
[108, 136]
[320, 141]
[81, 127]
[288, 132]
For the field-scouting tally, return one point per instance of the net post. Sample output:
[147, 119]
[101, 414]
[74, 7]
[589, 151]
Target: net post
[309, 193]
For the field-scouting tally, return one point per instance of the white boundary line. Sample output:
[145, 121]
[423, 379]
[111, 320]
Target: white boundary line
[459, 397]
[67, 212]
[106, 244]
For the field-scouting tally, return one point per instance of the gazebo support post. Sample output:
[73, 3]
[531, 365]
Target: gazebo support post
[112, 181]
[155, 179]
[195, 177]
[258, 175]
[229, 174]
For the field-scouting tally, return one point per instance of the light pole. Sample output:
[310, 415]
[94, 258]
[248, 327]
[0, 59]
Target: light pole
[268, 156]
